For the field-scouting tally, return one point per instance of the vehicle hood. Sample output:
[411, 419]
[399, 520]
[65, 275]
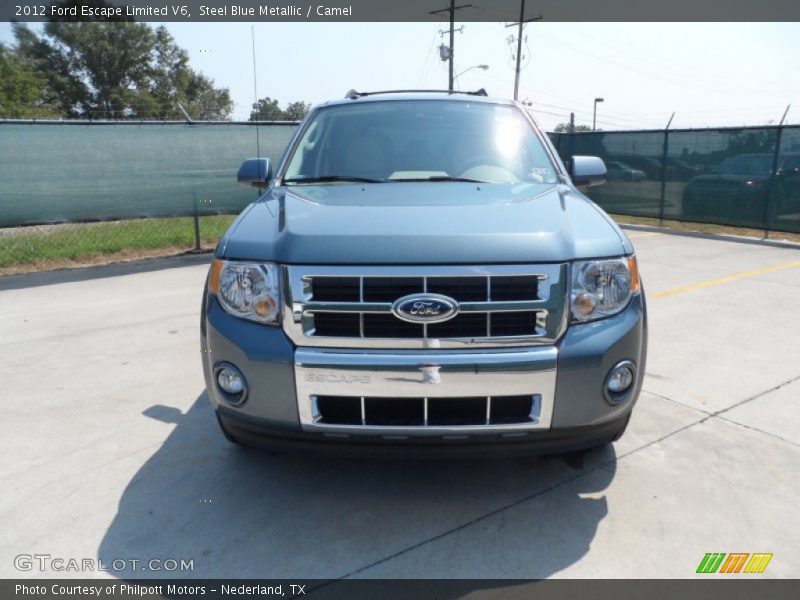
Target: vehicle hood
[422, 223]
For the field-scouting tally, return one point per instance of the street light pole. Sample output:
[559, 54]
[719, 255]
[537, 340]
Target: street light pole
[594, 115]
[481, 67]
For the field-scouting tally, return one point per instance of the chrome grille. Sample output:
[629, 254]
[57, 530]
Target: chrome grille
[352, 306]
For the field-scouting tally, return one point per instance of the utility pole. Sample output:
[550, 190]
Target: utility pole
[452, 10]
[571, 123]
[519, 48]
[520, 24]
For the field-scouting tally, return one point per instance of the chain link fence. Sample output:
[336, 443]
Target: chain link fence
[75, 193]
[743, 177]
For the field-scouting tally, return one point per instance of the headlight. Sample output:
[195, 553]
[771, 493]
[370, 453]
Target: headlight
[247, 290]
[602, 287]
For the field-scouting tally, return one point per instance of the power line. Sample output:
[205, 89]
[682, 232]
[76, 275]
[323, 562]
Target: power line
[566, 115]
[704, 84]
[426, 65]
[680, 69]
[613, 116]
[606, 41]
[605, 59]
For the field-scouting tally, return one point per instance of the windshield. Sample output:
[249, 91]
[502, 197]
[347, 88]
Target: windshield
[746, 164]
[419, 140]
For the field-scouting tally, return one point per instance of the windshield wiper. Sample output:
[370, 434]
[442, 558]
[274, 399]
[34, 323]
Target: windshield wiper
[332, 178]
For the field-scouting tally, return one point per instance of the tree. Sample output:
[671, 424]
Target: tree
[21, 89]
[296, 111]
[267, 109]
[204, 101]
[118, 69]
[564, 128]
[173, 82]
[68, 93]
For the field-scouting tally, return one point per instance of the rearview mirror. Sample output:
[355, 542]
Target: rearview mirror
[587, 171]
[255, 172]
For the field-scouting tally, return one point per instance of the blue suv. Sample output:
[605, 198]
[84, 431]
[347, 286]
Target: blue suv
[422, 276]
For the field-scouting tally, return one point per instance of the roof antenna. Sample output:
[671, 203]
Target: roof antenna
[255, 89]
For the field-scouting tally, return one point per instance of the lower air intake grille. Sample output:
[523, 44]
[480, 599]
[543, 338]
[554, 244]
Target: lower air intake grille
[422, 412]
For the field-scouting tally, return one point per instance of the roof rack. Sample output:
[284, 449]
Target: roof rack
[353, 94]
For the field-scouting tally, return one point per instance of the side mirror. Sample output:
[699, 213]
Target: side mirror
[587, 171]
[255, 172]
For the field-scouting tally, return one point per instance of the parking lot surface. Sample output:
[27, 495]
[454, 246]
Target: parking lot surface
[111, 451]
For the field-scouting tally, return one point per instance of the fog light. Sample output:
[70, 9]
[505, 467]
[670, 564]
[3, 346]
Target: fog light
[231, 382]
[619, 381]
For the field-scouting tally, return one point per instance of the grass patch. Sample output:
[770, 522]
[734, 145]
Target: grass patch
[707, 228]
[24, 249]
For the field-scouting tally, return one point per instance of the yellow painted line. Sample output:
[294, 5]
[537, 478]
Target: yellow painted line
[727, 279]
[636, 236]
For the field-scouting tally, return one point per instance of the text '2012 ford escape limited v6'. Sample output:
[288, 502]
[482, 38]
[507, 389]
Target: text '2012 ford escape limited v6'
[422, 275]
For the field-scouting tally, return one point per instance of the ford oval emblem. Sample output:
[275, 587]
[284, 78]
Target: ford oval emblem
[425, 308]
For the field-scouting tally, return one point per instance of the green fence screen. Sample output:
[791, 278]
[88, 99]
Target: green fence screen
[58, 173]
[746, 177]
[68, 191]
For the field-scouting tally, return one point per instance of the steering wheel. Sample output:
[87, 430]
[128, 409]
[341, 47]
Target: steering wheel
[489, 168]
[485, 160]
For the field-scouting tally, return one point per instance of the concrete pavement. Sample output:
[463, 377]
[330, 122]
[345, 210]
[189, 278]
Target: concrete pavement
[110, 449]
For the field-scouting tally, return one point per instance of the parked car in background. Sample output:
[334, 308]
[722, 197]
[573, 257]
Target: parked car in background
[620, 171]
[680, 170]
[649, 165]
[423, 274]
[737, 189]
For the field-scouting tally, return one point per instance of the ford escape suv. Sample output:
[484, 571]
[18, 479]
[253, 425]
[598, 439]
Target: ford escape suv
[422, 275]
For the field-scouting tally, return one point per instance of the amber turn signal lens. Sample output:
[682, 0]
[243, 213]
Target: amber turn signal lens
[584, 305]
[216, 269]
[634, 269]
[265, 307]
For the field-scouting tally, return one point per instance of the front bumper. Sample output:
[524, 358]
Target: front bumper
[252, 433]
[283, 379]
[427, 375]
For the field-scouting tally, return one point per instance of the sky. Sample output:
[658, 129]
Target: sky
[709, 74]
